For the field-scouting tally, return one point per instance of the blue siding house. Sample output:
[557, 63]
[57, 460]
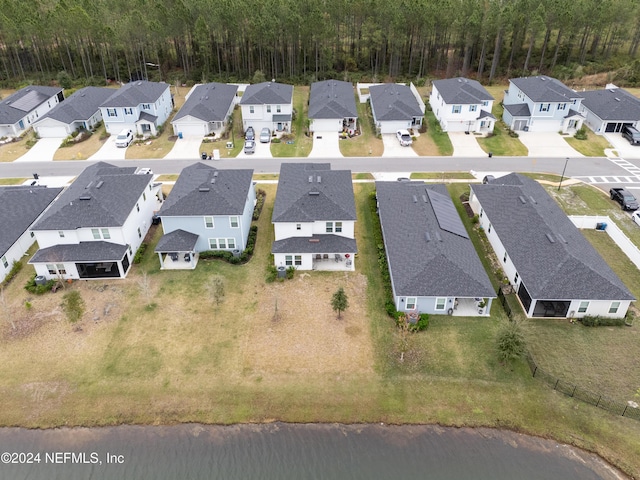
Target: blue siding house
[207, 209]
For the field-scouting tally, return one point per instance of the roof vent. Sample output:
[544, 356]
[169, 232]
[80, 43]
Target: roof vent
[85, 197]
[139, 83]
[438, 237]
[203, 189]
[533, 200]
[427, 236]
[617, 99]
[215, 174]
[99, 184]
[213, 180]
[522, 199]
[319, 179]
[542, 78]
[415, 199]
[89, 185]
[314, 193]
[310, 178]
[561, 238]
[550, 238]
[424, 198]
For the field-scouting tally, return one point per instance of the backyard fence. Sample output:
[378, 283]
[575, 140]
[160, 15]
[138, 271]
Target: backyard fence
[600, 401]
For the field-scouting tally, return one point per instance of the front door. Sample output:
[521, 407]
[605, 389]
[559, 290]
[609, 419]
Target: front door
[519, 124]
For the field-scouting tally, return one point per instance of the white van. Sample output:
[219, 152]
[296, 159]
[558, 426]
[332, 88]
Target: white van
[124, 138]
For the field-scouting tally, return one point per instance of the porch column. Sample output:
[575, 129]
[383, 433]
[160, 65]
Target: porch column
[161, 262]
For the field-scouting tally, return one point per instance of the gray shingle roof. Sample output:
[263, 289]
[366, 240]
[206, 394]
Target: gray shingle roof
[614, 104]
[209, 102]
[462, 91]
[544, 89]
[195, 195]
[12, 107]
[19, 208]
[424, 259]
[101, 196]
[518, 110]
[558, 270]
[332, 99]
[391, 101]
[177, 241]
[134, 93]
[267, 93]
[82, 105]
[99, 251]
[315, 244]
[328, 196]
[485, 114]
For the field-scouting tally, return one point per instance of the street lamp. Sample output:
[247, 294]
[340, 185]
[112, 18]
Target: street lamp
[563, 170]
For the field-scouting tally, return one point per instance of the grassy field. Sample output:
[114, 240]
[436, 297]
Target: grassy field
[367, 143]
[82, 150]
[12, 181]
[302, 143]
[593, 146]
[500, 143]
[441, 176]
[439, 138]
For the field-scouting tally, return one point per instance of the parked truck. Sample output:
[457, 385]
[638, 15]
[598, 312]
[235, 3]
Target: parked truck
[624, 198]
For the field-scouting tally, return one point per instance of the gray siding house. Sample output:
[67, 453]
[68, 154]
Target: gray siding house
[207, 209]
[551, 265]
[541, 104]
[609, 109]
[433, 265]
[332, 107]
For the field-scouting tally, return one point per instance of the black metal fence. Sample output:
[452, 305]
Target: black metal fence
[600, 401]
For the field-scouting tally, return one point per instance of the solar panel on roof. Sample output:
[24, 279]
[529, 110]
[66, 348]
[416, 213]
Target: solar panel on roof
[29, 101]
[446, 214]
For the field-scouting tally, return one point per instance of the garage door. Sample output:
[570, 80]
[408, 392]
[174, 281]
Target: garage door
[615, 127]
[519, 124]
[190, 129]
[52, 132]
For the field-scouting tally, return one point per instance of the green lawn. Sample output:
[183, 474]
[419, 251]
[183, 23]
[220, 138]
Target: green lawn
[500, 143]
[12, 181]
[593, 146]
[367, 143]
[302, 142]
[235, 135]
[442, 176]
[438, 137]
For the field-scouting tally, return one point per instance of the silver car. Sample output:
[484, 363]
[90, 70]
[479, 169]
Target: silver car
[265, 135]
[249, 146]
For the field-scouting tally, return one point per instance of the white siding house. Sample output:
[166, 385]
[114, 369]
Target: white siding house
[267, 105]
[395, 107]
[609, 109]
[332, 107]
[462, 105]
[19, 111]
[207, 110]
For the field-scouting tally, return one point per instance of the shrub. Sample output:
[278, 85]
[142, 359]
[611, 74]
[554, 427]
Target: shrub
[510, 341]
[31, 286]
[104, 135]
[73, 305]
[597, 321]
[275, 140]
[137, 258]
[475, 219]
[64, 80]
[423, 322]
[261, 195]
[581, 134]
[15, 269]
[272, 273]
[291, 272]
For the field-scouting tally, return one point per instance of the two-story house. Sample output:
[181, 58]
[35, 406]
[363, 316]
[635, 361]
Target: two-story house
[207, 110]
[20, 110]
[395, 107]
[314, 217]
[462, 105]
[80, 110]
[139, 106]
[267, 105]
[541, 104]
[93, 229]
[19, 208]
[208, 209]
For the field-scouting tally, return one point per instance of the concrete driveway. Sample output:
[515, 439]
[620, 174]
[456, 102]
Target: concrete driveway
[42, 151]
[623, 148]
[547, 144]
[392, 147]
[109, 151]
[263, 150]
[188, 147]
[326, 145]
[465, 145]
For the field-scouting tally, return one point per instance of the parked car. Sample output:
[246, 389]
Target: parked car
[631, 134]
[249, 134]
[635, 216]
[124, 138]
[249, 146]
[624, 198]
[144, 171]
[265, 135]
[404, 137]
[488, 179]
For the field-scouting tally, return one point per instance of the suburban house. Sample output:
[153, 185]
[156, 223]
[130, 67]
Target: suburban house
[433, 265]
[208, 209]
[207, 110]
[80, 111]
[332, 107]
[19, 208]
[95, 226]
[139, 106]
[609, 109]
[314, 216]
[267, 105]
[395, 107]
[541, 104]
[552, 267]
[462, 105]
[20, 110]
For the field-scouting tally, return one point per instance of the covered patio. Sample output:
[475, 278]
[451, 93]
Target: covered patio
[176, 250]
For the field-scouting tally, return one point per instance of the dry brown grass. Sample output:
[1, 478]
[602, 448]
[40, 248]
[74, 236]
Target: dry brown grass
[82, 150]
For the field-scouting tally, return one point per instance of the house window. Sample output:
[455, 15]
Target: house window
[268, 108]
[213, 244]
[128, 111]
[208, 222]
[4, 261]
[252, 109]
[298, 260]
[233, 221]
[288, 260]
[137, 207]
[139, 233]
[222, 243]
[456, 109]
[51, 269]
[298, 226]
[144, 196]
[485, 103]
[338, 227]
[481, 212]
[146, 106]
[278, 108]
[112, 112]
[329, 228]
[411, 303]
[32, 234]
[515, 278]
[544, 107]
[504, 259]
[583, 307]
[473, 108]
[441, 303]
[614, 307]
[61, 269]
[105, 234]
[489, 229]
[231, 243]
[562, 106]
[60, 233]
[96, 233]
[130, 251]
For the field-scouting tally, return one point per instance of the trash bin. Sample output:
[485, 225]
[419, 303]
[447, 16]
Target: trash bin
[179, 134]
[490, 154]
[41, 280]
[601, 226]
[282, 272]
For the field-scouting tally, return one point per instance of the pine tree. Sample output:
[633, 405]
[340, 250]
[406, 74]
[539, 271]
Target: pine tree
[339, 301]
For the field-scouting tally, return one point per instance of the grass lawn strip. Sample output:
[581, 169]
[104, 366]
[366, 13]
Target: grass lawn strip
[302, 143]
[367, 143]
[593, 146]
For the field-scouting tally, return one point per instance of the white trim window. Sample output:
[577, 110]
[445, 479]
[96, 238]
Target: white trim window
[96, 233]
[4, 261]
[105, 233]
[297, 260]
[613, 308]
[222, 243]
[411, 303]
[456, 109]
[278, 108]
[338, 227]
[583, 307]
[473, 108]
[298, 226]
[329, 227]
[515, 278]
[268, 108]
[252, 109]
[562, 106]
[208, 222]
[441, 303]
[545, 107]
[234, 222]
[112, 112]
[60, 233]
[288, 260]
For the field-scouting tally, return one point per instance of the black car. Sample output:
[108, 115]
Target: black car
[249, 134]
[631, 134]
